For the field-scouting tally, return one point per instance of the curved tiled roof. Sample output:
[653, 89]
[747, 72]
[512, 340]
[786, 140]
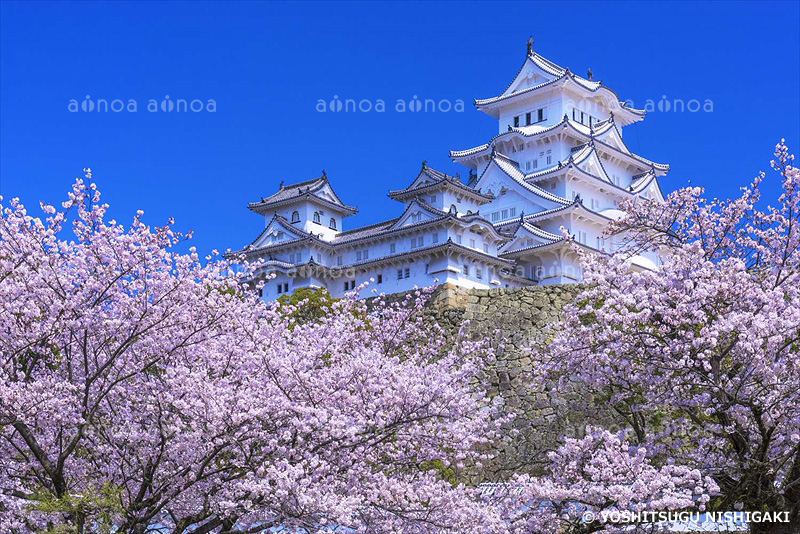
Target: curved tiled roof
[559, 74]
[590, 134]
[510, 169]
[439, 179]
[289, 193]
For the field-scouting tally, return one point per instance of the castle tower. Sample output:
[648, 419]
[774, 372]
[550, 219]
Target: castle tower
[559, 158]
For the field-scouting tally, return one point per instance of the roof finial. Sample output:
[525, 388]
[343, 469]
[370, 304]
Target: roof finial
[522, 216]
[494, 151]
[281, 185]
[324, 174]
[530, 45]
[589, 75]
[424, 163]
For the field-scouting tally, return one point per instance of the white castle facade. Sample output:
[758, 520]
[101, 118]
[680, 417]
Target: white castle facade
[558, 161]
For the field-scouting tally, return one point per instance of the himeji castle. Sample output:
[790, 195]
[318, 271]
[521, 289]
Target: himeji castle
[558, 160]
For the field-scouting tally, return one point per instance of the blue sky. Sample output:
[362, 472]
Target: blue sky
[266, 65]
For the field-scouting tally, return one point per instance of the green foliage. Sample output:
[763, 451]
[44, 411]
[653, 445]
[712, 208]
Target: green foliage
[93, 511]
[306, 304]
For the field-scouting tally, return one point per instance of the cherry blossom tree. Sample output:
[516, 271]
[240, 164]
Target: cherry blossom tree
[591, 481]
[141, 388]
[700, 359]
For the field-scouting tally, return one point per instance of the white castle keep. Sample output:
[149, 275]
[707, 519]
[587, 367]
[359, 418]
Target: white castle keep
[558, 160]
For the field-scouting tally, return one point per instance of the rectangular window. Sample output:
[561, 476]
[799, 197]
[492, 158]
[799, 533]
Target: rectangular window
[435, 238]
[527, 119]
[553, 185]
[535, 163]
[495, 216]
[407, 272]
[472, 243]
[465, 269]
[399, 274]
[427, 266]
[527, 165]
[486, 248]
[458, 239]
[391, 248]
[433, 199]
[504, 214]
[365, 254]
[540, 114]
[516, 121]
[338, 260]
[280, 288]
[358, 255]
[346, 286]
[413, 242]
[380, 278]
[478, 272]
[512, 212]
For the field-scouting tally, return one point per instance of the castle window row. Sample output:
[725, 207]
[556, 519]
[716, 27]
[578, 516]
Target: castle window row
[531, 117]
[317, 218]
[502, 215]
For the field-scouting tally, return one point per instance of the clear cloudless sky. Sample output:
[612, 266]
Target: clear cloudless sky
[266, 65]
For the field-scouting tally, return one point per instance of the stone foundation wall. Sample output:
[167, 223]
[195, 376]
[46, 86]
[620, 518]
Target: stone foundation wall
[519, 321]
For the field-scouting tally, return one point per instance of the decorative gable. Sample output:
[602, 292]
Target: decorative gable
[277, 231]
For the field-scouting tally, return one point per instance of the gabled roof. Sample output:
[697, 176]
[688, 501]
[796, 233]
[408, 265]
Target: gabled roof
[278, 220]
[525, 230]
[642, 181]
[605, 133]
[510, 168]
[429, 179]
[538, 67]
[318, 189]
[418, 203]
